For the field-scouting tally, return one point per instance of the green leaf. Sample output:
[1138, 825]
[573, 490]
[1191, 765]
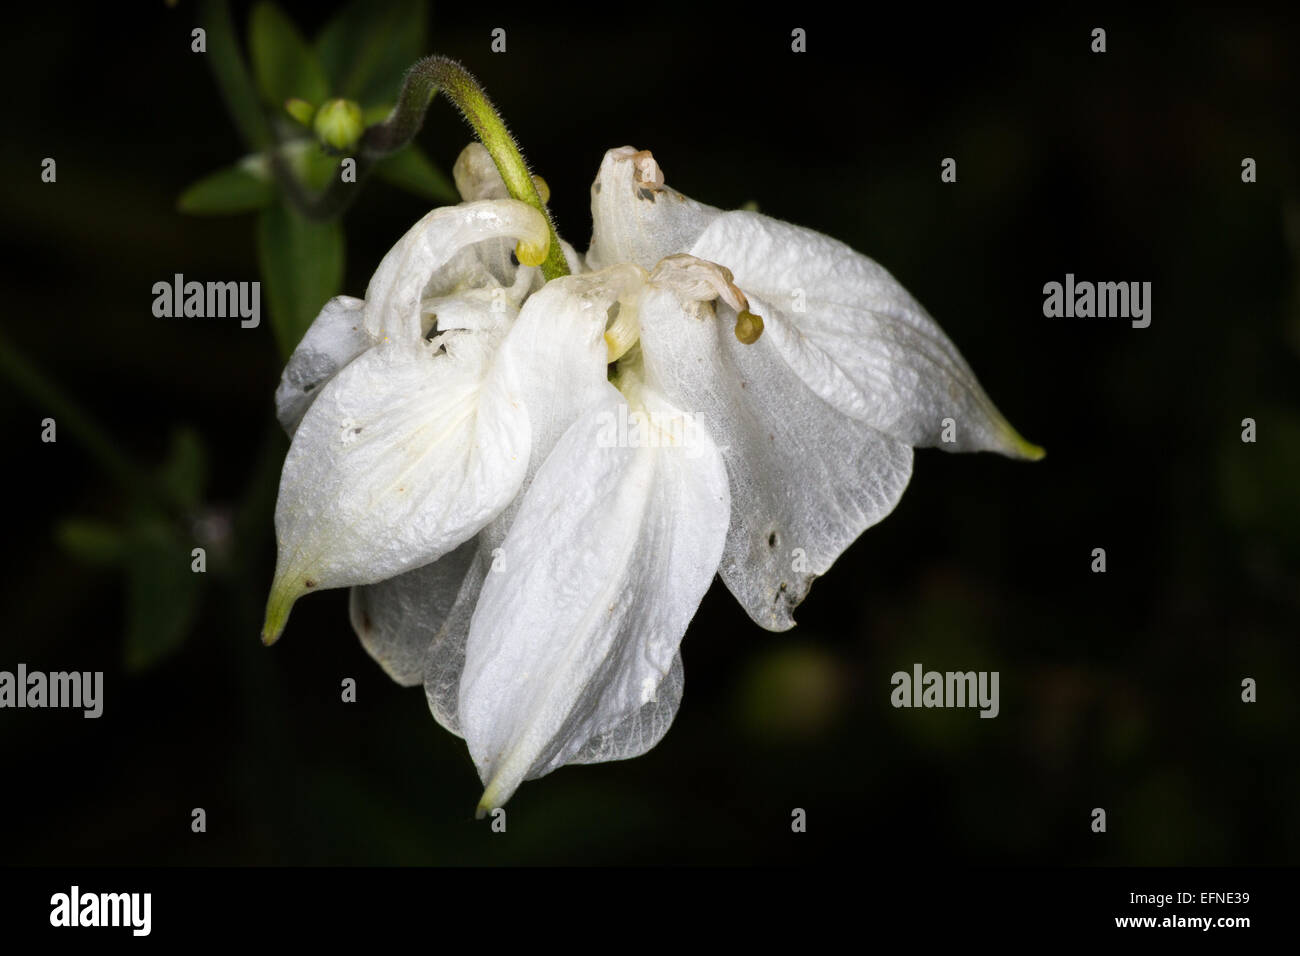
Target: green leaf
[317, 168]
[368, 47]
[94, 542]
[284, 63]
[232, 75]
[410, 169]
[225, 193]
[162, 595]
[185, 472]
[302, 268]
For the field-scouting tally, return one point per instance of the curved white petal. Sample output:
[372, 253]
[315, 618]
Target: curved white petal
[635, 217]
[397, 619]
[334, 339]
[429, 260]
[554, 361]
[608, 558]
[407, 453]
[856, 337]
[806, 480]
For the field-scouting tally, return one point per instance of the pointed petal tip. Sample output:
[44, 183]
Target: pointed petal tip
[1015, 445]
[1028, 450]
[278, 606]
[491, 799]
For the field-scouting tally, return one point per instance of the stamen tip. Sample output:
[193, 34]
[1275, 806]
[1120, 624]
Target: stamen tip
[749, 326]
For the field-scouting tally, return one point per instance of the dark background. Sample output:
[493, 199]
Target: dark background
[1119, 690]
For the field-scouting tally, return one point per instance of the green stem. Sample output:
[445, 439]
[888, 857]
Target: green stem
[425, 80]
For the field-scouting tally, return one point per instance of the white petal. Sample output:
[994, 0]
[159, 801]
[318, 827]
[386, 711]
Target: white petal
[608, 558]
[425, 261]
[398, 619]
[635, 217]
[806, 480]
[553, 361]
[642, 729]
[334, 339]
[855, 336]
[404, 456]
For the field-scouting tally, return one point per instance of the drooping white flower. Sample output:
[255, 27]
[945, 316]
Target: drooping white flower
[552, 474]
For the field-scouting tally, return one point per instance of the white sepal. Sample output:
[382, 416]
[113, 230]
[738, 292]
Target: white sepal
[608, 558]
[856, 337]
[406, 454]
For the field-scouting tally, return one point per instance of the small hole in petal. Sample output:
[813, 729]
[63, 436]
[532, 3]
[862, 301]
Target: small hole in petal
[771, 541]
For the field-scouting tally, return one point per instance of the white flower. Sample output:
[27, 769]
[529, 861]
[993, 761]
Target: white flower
[510, 541]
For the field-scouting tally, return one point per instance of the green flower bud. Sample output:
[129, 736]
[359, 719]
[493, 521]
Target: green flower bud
[338, 123]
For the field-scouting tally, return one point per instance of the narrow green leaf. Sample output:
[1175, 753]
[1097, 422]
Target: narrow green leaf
[233, 81]
[186, 469]
[162, 595]
[367, 48]
[410, 169]
[225, 193]
[91, 541]
[284, 63]
[302, 268]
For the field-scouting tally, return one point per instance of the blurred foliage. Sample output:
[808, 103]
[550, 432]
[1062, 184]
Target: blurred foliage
[302, 268]
[361, 56]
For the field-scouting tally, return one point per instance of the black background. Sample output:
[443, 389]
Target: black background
[1119, 690]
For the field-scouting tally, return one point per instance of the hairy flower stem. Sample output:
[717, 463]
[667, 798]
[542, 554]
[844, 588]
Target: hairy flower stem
[425, 80]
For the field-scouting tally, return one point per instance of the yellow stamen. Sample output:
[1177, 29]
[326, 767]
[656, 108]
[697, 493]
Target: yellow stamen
[529, 254]
[748, 326]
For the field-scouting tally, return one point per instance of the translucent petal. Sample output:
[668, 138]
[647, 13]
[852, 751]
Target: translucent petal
[641, 729]
[805, 479]
[397, 619]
